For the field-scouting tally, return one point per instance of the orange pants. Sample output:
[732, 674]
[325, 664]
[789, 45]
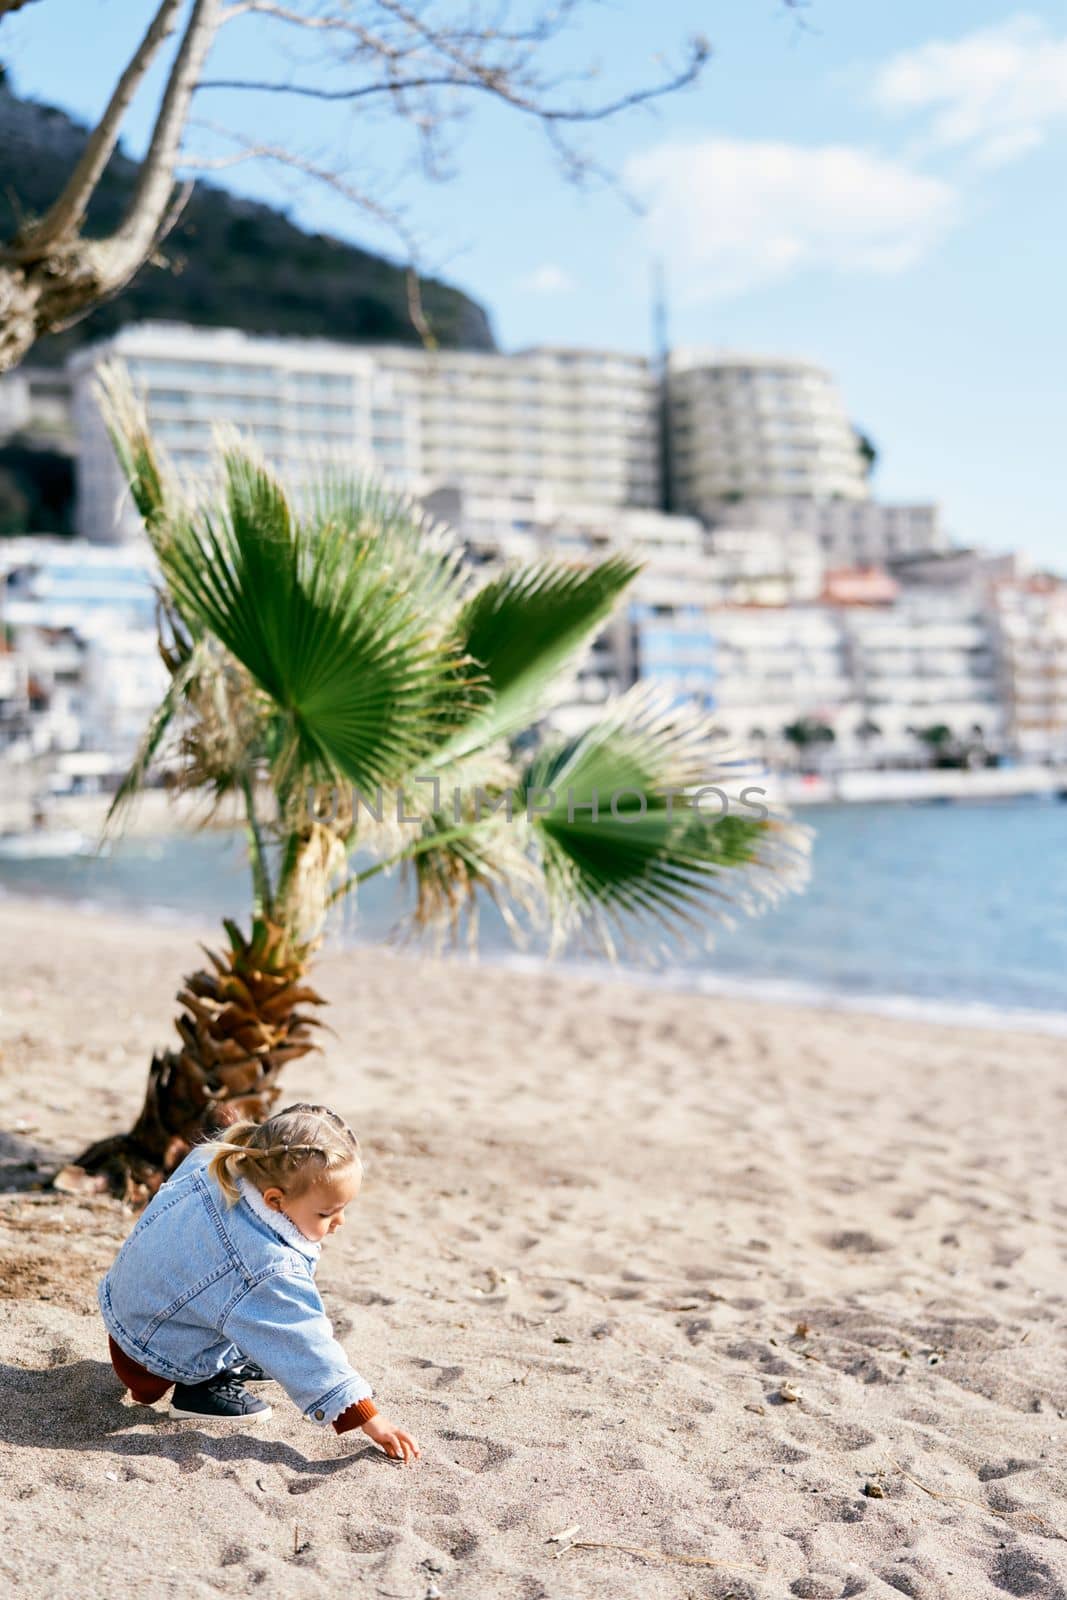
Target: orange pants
[142, 1384]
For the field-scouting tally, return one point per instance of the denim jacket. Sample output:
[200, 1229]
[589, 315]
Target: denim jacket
[198, 1284]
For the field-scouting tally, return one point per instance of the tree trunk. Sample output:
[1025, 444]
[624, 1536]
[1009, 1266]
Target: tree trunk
[49, 275]
[43, 296]
[239, 1026]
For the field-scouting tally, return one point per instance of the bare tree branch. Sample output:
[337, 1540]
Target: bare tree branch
[313, 92]
[424, 62]
[487, 82]
[183, 194]
[493, 80]
[67, 213]
[129, 245]
[389, 217]
[330, 24]
[49, 280]
[256, 150]
[547, 26]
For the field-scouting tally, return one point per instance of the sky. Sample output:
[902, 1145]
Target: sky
[873, 186]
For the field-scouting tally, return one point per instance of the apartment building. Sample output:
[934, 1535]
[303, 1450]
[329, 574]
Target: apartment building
[743, 426]
[79, 625]
[305, 403]
[14, 695]
[754, 625]
[763, 567]
[580, 426]
[776, 667]
[1031, 622]
[929, 659]
[849, 532]
[36, 402]
[535, 525]
[577, 424]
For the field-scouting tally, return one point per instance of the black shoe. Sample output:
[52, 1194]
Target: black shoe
[221, 1399]
[245, 1371]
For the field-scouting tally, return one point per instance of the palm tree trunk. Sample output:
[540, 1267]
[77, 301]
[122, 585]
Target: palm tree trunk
[240, 1023]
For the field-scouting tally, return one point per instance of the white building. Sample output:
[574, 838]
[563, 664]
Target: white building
[763, 567]
[580, 426]
[14, 695]
[305, 402]
[928, 660]
[1031, 621]
[36, 400]
[779, 666]
[577, 424]
[80, 625]
[849, 533]
[537, 524]
[874, 676]
[744, 426]
[754, 625]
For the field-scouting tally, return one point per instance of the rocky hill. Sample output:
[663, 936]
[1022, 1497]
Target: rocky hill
[229, 262]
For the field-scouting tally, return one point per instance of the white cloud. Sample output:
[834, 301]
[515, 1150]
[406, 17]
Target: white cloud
[548, 279]
[733, 214]
[995, 91]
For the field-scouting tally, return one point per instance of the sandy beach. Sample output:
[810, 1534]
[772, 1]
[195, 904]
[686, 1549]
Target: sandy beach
[761, 1302]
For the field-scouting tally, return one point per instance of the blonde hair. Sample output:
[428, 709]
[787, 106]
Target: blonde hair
[291, 1150]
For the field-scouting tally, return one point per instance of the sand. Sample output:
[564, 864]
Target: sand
[768, 1302]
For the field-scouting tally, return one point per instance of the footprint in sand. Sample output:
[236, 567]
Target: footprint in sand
[848, 1436]
[454, 1539]
[920, 1581]
[509, 1517]
[815, 1587]
[1017, 1572]
[788, 1453]
[475, 1454]
[1005, 1469]
[366, 1541]
[856, 1240]
[442, 1375]
[843, 1509]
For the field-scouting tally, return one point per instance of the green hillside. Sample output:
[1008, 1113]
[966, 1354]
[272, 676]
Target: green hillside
[229, 262]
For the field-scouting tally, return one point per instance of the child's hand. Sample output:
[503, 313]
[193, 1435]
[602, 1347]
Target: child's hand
[394, 1441]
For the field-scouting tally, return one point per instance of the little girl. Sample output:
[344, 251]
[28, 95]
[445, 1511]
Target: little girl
[215, 1284]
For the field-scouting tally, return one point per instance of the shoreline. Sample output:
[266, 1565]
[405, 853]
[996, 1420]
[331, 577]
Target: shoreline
[783, 994]
[163, 812]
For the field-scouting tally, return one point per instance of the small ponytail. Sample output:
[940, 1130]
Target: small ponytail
[291, 1150]
[230, 1155]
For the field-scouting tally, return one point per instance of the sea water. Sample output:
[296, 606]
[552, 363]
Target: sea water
[943, 910]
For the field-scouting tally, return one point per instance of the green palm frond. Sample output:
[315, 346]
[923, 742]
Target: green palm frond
[343, 655]
[625, 851]
[453, 868]
[525, 626]
[147, 474]
[155, 735]
[419, 554]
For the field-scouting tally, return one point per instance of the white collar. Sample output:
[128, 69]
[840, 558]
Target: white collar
[277, 1221]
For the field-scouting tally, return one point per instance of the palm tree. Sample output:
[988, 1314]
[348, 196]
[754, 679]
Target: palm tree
[326, 662]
